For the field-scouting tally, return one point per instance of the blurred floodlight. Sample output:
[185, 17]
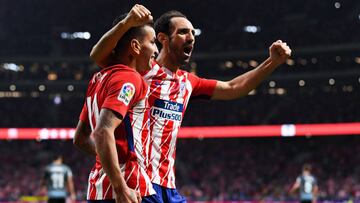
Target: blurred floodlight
[70, 88]
[197, 32]
[12, 67]
[337, 5]
[75, 35]
[228, 64]
[314, 60]
[57, 100]
[357, 60]
[253, 63]
[12, 87]
[280, 91]
[290, 62]
[252, 28]
[301, 83]
[272, 84]
[42, 88]
[337, 58]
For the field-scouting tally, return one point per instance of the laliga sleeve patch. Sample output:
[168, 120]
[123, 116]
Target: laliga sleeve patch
[126, 93]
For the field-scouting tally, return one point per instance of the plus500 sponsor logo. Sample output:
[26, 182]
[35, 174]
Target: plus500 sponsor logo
[167, 110]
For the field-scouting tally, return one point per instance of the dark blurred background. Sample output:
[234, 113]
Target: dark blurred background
[45, 67]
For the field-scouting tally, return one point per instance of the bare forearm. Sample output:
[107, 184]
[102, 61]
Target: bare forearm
[101, 52]
[87, 145]
[71, 187]
[243, 84]
[83, 140]
[106, 149]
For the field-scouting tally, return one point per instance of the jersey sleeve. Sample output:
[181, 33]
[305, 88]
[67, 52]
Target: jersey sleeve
[124, 90]
[84, 114]
[315, 181]
[202, 88]
[68, 172]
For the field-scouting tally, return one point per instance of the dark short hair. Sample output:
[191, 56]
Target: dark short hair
[56, 155]
[133, 33]
[307, 167]
[162, 24]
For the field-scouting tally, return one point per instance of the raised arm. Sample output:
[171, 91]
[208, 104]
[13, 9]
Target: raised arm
[106, 149]
[243, 84]
[101, 53]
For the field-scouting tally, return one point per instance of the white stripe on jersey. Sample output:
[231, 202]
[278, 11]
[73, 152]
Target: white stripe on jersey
[99, 185]
[139, 127]
[170, 157]
[96, 109]
[93, 110]
[88, 105]
[129, 174]
[148, 181]
[91, 175]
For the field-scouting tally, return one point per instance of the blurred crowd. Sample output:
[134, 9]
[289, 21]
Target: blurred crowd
[265, 169]
[24, 168]
[209, 169]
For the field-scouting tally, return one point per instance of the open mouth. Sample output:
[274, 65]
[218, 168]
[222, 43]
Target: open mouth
[188, 50]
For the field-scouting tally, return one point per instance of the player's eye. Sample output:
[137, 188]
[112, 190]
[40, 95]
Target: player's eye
[183, 31]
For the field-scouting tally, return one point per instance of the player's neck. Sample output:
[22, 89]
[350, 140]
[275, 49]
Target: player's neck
[57, 162]
[165, 61]
[126, 61]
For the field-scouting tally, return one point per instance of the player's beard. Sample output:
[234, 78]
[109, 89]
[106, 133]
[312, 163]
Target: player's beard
[177, 54]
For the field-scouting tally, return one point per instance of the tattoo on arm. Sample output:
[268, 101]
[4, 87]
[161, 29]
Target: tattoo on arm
[109, 119]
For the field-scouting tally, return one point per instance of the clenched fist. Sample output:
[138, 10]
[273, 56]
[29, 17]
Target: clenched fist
[138, 15]
[279, 52]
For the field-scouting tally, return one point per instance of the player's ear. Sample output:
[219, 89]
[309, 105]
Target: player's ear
[135, 46]
[163, 39]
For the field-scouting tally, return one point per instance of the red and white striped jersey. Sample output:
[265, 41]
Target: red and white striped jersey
[168, 97]
[123, 90]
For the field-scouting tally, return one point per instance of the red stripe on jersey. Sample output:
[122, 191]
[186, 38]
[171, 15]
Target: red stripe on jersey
[106, 188]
